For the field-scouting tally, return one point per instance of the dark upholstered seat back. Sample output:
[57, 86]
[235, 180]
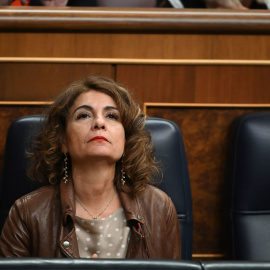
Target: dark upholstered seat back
[248, 173]
[235, 265]
[14, 181]
[122, 264]
[169, 146]
[80, 264]
[167, 139]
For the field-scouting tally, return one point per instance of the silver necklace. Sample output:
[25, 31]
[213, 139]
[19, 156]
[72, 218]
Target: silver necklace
[95, 217]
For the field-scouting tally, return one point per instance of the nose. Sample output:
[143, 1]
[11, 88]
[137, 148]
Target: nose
[99, 127]
[99, 123]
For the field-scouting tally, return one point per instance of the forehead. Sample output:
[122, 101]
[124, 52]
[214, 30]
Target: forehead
[93, 98]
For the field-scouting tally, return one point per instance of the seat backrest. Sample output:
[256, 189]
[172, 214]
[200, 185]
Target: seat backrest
[248, 175]
[167, 140]
[170, 151]
[108, 264]
[14, 181]
[235, 265]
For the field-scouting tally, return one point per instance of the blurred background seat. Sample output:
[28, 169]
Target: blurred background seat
[248, 178]
[14, 181]
[234, 265]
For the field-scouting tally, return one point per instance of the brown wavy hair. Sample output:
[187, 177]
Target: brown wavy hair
[47, 159]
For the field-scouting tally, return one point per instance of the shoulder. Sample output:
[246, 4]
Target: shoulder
[150, 197]
[157, 206]
[155, 197]
[154, 192]
[45, 191]
[38, 198]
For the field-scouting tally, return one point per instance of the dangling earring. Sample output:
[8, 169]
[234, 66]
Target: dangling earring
[65, 178]
[123, 181]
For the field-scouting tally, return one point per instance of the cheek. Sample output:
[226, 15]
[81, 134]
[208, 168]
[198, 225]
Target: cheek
[73, 136]
[121, 139]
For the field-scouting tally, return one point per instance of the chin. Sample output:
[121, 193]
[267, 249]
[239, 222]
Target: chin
[104, 156]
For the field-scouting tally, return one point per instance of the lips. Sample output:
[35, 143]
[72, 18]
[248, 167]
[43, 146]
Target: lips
[99, 139]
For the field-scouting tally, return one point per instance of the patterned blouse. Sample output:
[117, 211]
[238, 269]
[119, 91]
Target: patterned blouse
[107, 237]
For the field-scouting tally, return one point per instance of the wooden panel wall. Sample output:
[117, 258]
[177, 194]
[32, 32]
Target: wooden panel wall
[209, 83]
[161, 55]
[22, 81]
[148, 45]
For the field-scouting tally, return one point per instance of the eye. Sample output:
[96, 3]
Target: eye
[113, 116]
[83, 115]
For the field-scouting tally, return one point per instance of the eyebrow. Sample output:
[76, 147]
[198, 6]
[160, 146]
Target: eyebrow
[90, 108]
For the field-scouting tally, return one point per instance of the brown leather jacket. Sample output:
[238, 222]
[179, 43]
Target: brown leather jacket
[41, 224]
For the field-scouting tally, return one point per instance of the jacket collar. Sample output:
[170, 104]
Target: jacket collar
[67, 200]
[131, 205]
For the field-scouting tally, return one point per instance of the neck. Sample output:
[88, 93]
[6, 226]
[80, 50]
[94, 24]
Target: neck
[93, 181]
[94, 188]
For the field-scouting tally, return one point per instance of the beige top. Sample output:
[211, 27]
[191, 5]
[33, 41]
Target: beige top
[107, 237]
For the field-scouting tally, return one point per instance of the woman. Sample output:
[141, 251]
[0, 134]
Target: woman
[95, 156]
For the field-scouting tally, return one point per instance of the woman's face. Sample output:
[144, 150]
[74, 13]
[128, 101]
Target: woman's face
[94, 129]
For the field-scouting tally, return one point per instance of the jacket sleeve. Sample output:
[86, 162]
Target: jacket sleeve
[173, 233]
[14, 240]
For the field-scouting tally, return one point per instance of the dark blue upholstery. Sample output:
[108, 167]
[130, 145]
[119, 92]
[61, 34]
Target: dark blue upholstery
[168, 142]
[167, 139]
[248, 175]
[79, 264]
[235, 265]
[14, 181]
[122, 264]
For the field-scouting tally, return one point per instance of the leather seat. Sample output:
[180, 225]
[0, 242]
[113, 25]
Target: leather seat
[168, 142]
[235, 265]
[122, 264]
[108, 264]
[248, 176]
[14, 181]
